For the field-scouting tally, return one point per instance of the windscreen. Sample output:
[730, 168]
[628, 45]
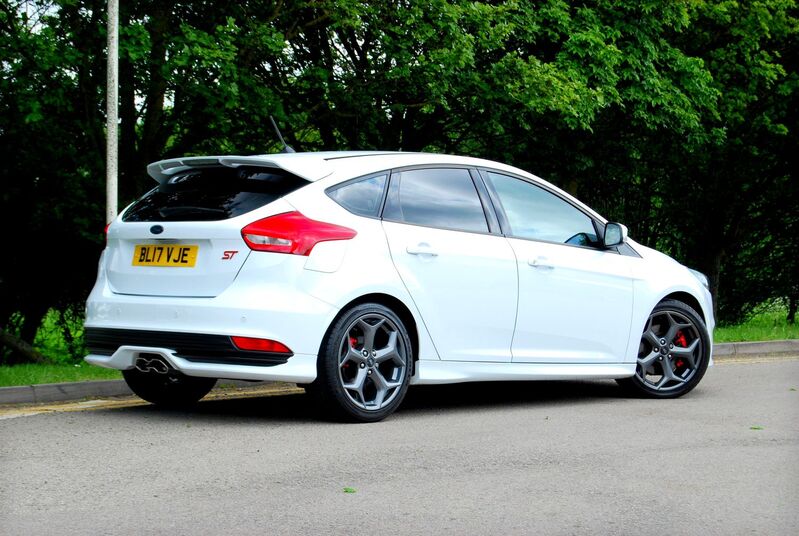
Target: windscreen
[213, 193]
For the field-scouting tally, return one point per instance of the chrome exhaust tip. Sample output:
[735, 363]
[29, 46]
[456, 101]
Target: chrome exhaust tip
[152, 364]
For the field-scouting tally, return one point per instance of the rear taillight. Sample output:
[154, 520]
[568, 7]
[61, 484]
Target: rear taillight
[107, 225]
[293, 233]
[260, 345]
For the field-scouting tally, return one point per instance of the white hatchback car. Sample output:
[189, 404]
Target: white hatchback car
[357, 274]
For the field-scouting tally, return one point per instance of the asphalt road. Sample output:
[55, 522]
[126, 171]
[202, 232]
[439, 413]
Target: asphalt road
[535, 458]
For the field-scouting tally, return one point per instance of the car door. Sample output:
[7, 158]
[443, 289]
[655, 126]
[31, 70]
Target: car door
[461, 277]
[575, 298]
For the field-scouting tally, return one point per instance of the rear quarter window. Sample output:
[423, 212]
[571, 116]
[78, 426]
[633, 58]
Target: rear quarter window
[216, 193]
[362, 197]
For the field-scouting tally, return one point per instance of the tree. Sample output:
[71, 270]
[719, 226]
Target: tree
[51, 148]
[677, 118]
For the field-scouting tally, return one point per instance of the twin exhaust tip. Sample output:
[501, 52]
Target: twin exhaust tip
[152, 364]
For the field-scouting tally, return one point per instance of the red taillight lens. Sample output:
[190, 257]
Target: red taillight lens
[260, 345]
[293, 233]
[107, 225]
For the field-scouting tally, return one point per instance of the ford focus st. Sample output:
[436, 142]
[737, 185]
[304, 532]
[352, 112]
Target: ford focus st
[357, 274]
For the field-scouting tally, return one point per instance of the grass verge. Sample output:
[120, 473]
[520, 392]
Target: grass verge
[766, 326]
[31, 374]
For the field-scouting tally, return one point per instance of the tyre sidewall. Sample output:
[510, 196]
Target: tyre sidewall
[157, 389]
[328, 386]
[679, 307]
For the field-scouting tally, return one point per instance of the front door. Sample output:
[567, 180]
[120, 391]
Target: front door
[575, 297]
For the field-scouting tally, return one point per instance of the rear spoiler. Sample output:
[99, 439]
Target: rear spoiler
[303, 165]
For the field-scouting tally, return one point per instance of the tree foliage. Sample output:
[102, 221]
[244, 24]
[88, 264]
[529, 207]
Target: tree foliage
[678, 118]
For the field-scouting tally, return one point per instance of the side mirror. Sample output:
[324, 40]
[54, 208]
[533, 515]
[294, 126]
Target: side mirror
[615, 234]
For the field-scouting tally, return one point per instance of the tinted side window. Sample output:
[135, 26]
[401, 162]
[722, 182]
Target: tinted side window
[361, 197]
[535, 213]
[443, 198]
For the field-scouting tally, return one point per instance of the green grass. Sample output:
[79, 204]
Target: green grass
[766, 326]
[31, 374]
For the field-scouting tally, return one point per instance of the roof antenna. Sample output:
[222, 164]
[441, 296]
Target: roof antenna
[286, 147]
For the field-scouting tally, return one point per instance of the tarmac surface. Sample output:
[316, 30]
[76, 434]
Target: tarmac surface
[59, 392]
[508, 458]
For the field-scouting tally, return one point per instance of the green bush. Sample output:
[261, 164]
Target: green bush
[60, 337]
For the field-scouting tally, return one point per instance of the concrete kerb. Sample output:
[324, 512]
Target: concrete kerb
[59, 392]
[756, 348]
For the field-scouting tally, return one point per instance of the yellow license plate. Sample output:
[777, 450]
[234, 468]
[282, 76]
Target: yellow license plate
[165, 255]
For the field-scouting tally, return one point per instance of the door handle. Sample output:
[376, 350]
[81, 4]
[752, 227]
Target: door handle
[542, 263]
[421, 248]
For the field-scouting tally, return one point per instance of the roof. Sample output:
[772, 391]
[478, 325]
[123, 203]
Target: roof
[311, 166]
[314, 166]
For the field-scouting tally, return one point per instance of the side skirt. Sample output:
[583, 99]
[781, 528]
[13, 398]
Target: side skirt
[439, 372]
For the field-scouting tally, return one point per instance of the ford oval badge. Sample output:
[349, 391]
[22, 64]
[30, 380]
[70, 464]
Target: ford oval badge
[156, 229]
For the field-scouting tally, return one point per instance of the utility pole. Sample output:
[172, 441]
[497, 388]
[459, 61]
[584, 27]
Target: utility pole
[112, 117]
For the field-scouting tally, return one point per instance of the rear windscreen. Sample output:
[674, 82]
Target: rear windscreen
[214, 193]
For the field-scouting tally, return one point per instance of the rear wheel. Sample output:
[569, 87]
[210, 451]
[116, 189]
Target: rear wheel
[365, 365]
[172, 390]
[672, 354]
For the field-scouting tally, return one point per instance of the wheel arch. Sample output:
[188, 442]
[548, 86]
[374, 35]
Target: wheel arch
[687, 299]
[392, 303]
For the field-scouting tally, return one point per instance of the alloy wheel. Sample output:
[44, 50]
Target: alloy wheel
[671, 351]
[372, 361]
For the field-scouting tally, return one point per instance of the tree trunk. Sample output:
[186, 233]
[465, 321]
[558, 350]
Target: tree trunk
[714, 277]
[792, 309]
[152, 129]
[21, 347]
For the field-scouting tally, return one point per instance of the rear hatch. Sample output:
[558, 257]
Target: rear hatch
[183, 238]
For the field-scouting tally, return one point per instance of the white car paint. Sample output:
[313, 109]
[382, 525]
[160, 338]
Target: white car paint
[578, 305]
[465, 283]
[483, 306]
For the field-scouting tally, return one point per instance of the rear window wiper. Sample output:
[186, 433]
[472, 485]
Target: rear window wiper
[169, 212]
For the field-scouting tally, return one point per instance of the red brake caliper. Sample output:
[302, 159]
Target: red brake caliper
[353, 342]
[681, 341]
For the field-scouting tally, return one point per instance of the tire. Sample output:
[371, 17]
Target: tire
[672, 354]
[365, 365]
[173, 390]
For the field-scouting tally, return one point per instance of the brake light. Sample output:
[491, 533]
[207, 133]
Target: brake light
[107, 225]
[292, 233]
[260, 345]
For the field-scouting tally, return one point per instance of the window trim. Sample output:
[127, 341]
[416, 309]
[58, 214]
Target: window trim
[472, 175]
[488, 207]
[493, 210]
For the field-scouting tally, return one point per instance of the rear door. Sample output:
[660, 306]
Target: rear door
[461, 277]
[183, 238]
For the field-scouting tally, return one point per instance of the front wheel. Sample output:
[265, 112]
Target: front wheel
[365, 365]
[172, 390]
[673, 353]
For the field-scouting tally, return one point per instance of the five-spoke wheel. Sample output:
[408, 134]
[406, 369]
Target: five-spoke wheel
[367, 363]
[673, 352]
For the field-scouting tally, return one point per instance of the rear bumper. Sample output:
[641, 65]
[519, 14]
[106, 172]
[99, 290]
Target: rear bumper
[194, 347]
[252, 306]
[300, 368]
